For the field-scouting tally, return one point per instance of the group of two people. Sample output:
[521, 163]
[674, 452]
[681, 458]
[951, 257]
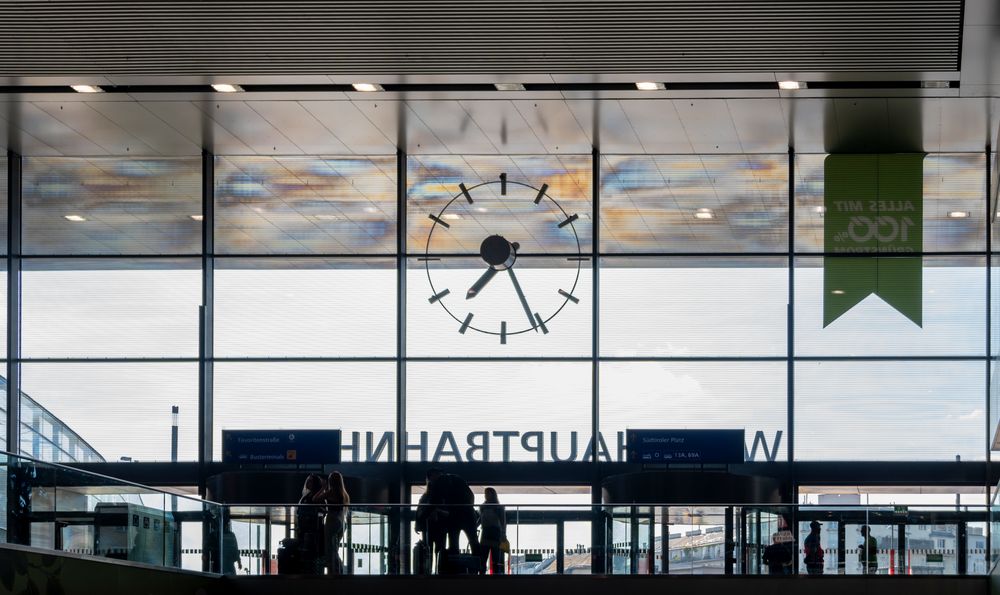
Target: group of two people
[321, 528]
[446, 510]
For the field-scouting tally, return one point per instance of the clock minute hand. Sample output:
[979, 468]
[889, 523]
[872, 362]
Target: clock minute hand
[480, 283]
[520, 296]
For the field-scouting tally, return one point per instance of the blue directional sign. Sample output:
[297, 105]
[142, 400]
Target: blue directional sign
[262, 447]
[685, 446]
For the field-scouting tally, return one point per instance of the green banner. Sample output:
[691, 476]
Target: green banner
[873, 205]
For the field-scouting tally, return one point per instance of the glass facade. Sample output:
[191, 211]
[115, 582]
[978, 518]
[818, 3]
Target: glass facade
[676, 292]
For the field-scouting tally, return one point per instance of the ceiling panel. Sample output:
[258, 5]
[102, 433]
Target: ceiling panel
[812, 124]
[606, 124]
[299, 126]
[398, 122]
[862, 125]
[351, 126]
[194, 124]
[760, 125]
[453, 125]
[963, 124]
[95, 127]
[657, 125]
[708, 125]
[504, 125]
[54, 133]
[554, 125]
[257, 133]
[146, 126]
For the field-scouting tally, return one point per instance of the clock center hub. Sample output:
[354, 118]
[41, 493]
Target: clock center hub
[498, 252]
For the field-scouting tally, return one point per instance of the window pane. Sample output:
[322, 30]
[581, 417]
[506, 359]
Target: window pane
[433, 327]
[3, 204]
[698, 395]
[949, 293]
[694, 203]
[110, 308]
[305, 205]
[694, 306]
[521, 404]
[889, 411]
[109, 410]
[952, 183]
[270, 307]
[433, 183]
[111, 205]
[349, 396]
[994, 349]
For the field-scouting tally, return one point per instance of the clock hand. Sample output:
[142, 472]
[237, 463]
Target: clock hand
[520, 296]
[480, 283]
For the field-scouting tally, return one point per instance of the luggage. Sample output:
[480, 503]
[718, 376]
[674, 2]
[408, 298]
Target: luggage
[461, 564]
[293, 559]
[421, 558]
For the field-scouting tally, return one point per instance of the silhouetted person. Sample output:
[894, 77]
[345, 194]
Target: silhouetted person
[307, 522]
[429, 523]
[868, 551]
[778, 557]
[230, 549]
[813, 550]
[335, 523]
[493, 520]
[456, 511]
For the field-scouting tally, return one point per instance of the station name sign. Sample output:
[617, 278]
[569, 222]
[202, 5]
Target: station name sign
[685, 446]
[295, 447]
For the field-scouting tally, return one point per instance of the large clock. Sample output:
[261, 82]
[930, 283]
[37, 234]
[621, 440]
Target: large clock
[511, 306]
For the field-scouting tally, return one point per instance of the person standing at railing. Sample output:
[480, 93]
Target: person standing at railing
[493, 521]
[868, 551]
[813, 549]
[455, 512]
[308, 544]
[230, 549]
[335, 523]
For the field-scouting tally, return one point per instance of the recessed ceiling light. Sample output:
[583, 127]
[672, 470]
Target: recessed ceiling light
[371, 210]
[74, 218]
[509, 86]
[452, 216]
[837, 292]
[481, 209]
[367, 87]
[226, 88]
[820, 210]
[704, 213]
[650, 86]
[197, 217]
[86, 88]
[791, 85]
[958, 214]
[326, 217]
[935, 84]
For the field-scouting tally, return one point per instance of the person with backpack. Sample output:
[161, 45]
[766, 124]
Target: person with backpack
[454, 511]
[813, 550]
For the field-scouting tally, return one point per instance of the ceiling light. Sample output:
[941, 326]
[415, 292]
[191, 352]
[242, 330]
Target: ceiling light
[958, 214]
[326, 217]
[704, 213]
[650, 86]
[935, 84]
[74, 218]
[452, 216]
[367, 87]
[509, 86]
[226, 88]
[837, 292]
[370, 209]
[820, 210]
[86, 88]
[791, 85]
[481, 209]
[197, 217]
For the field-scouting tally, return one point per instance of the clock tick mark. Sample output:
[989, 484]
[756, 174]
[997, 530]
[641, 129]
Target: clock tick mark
[541, 193]
[439, 220]
[569, 220]
[541, 324]
[438, 296]
[465, 325]
[465, 191]
[503, 332]
[503, 184]
[569, 296]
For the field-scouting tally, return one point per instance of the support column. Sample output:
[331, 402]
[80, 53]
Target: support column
[598, 556]
[399, 527]
[13, 373]
[206, 351]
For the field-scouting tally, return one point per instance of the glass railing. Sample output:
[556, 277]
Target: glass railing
[56, 507]
[60, 508]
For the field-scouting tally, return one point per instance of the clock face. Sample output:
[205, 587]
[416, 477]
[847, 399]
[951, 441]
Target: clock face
[507, 289]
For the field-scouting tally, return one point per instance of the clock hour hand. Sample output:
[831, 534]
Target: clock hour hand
[520, 296]
[480, 283]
